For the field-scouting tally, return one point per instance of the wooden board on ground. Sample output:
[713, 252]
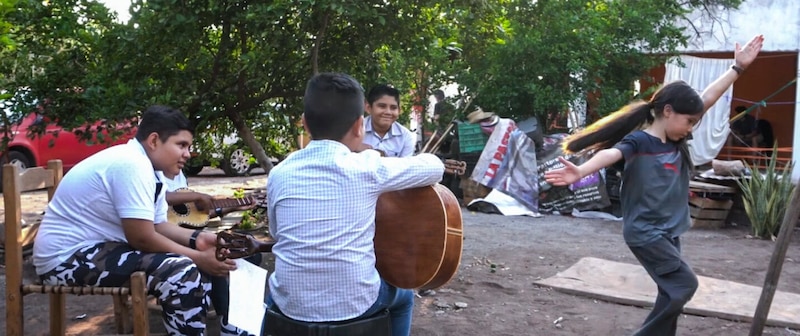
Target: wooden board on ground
[629, 284]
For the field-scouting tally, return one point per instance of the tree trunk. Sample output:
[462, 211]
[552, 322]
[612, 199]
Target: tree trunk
[250, 140]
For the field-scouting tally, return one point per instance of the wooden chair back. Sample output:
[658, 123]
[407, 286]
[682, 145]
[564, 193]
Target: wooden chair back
[15, 182]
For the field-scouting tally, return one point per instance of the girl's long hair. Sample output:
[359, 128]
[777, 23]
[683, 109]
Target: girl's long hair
[609, 130]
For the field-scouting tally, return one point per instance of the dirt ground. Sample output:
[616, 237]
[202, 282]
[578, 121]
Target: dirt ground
[506, 301]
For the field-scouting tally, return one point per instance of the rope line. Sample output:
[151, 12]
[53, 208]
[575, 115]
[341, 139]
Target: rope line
[758, 105]
[763, 102]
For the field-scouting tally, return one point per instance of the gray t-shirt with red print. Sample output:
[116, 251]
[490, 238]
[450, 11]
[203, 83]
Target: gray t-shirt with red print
[655, 189]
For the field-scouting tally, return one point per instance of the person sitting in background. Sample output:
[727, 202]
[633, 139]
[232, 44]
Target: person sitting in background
[764, 136]
[744, 129]
[443, 111]
[174, 184]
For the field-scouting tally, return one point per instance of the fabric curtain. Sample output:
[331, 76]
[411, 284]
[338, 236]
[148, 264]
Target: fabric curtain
[711, 133]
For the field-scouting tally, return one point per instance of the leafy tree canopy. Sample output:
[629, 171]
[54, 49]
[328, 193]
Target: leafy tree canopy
[547, 53]
[241, 66]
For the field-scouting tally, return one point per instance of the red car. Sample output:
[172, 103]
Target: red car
[55, 143]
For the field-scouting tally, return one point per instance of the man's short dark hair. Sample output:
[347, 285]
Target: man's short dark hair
[380, 90]
[439, 94]
[163, 120]
[740, 109]
[332, 103]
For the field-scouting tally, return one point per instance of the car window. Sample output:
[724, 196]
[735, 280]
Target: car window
[7, 104]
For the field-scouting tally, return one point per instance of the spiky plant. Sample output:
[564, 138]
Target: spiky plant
[765, 195]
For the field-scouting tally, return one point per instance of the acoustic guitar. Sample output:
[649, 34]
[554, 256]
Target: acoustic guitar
[188, 214]
[418, 237]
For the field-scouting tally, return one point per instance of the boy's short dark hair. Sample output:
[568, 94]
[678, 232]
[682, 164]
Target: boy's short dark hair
[164, 121]
[380, 90]
[332, 103]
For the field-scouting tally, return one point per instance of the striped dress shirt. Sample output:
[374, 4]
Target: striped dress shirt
[322, 215]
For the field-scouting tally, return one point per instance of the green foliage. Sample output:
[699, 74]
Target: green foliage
[250, 218]
[765, 196]
[54, 66]
[538, 56]
[239, 68]
[226, 64]
[6, 37]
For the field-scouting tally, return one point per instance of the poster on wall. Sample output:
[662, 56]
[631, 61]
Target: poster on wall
[517, 175]
[589, 193]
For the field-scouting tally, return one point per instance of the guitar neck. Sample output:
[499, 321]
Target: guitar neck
[232, 202]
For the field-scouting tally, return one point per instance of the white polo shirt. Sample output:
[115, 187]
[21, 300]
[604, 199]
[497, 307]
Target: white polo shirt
[91, 200]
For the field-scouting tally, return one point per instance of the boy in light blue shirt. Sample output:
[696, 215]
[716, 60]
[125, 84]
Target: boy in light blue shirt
[382, 131]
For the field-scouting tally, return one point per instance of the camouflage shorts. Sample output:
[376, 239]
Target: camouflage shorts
[181, 289]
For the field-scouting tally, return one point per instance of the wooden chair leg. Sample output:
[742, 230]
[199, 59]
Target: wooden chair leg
[122, 323]
[58, 324]
[14, 317]
[141, 326]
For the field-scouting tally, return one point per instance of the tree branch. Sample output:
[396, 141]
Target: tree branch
[241, 87]
[318, 42]
[222, 51]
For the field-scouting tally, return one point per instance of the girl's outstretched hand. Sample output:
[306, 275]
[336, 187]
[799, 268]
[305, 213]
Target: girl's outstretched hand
[744, 55]
[567, 175]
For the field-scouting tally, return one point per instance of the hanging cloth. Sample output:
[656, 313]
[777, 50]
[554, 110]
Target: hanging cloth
[710, 134]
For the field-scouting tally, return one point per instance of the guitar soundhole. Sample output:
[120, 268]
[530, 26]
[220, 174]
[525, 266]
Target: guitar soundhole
[181, 209]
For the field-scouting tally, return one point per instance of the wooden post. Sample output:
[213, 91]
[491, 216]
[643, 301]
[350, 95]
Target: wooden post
[776, 264]
[427, 143]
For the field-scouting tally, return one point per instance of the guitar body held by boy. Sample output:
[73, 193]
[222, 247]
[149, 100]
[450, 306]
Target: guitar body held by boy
[193, 209]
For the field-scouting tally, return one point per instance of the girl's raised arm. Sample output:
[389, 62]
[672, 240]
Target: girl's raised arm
[742, 56]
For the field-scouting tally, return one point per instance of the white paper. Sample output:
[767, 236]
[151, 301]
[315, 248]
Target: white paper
[246, 309]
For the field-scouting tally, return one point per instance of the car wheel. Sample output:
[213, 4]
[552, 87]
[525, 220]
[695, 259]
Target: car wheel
[192, 169]
[19, 159]
[237, 163]
[16, 158]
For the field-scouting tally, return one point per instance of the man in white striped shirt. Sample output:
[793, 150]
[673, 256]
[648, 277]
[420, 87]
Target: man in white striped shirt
[322, 213]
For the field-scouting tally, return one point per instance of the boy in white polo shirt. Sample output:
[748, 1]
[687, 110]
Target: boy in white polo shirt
[107, 220]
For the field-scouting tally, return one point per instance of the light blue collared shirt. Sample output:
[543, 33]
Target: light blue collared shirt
[321, 211]
[397, 142]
